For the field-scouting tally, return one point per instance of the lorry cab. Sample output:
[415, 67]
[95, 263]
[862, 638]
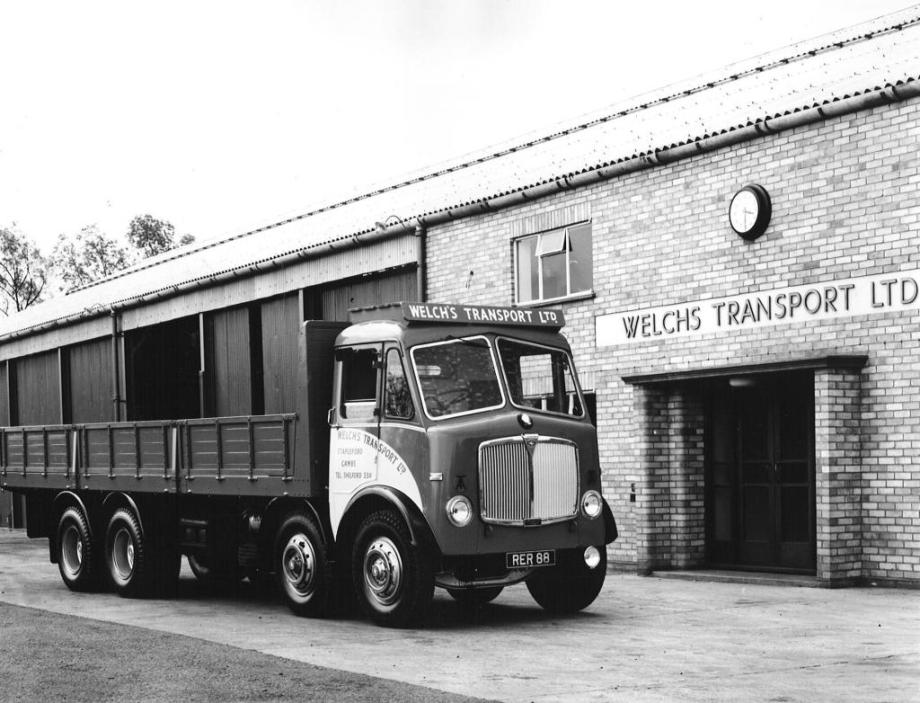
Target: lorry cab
[468, 424]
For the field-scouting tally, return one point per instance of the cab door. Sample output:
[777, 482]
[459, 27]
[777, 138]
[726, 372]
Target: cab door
[403, 463]
[355, 424]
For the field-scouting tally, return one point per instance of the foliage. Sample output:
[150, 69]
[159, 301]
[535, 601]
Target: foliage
[23, 272]
[86, 257]
[151, 236]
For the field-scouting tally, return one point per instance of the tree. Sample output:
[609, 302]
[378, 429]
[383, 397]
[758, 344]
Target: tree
[151, 236]
[23, 272]
[87, 257]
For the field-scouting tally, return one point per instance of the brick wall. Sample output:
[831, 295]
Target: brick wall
[845, 205]
[838, 476]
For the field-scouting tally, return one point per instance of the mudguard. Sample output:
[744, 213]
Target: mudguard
[419, 530]
[610, 525]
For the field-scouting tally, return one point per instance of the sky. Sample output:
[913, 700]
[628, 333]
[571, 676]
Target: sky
[223, 116]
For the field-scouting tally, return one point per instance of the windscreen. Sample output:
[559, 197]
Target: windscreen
[539, 377]
[457, 377]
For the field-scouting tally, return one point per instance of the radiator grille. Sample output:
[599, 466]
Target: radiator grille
[519, 483]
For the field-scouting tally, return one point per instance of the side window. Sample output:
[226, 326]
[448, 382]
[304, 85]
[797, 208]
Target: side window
[554, 264]
[397, 398]
[359, 383]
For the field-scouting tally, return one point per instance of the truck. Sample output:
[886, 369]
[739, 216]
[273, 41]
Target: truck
[433, 445]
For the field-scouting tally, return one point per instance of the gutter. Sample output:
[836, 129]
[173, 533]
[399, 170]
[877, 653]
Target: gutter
[418, 225]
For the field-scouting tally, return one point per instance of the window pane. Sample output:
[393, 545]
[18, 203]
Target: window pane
[527, 270]
[359, 375]
[457, 377]
[581, 259]
[539, 378]
[554, 283]
[398, 402]
[551, 243]
[359, 383]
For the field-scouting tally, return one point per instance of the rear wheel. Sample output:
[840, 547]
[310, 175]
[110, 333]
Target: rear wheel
[393, 580]
[568, 590]
[76, 552]
[139, 564]
[126, 555]
[302, 566]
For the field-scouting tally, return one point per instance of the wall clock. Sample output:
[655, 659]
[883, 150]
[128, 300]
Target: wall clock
[749, 211]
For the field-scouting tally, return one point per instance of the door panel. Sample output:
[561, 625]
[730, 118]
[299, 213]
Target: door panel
[760, 480]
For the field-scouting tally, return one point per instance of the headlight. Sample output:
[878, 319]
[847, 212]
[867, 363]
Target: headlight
[592, 504]
[459, 510]
[592, 557]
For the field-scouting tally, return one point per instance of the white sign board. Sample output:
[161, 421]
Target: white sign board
[882, 293]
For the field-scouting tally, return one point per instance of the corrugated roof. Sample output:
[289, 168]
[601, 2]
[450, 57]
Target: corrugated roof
[831, 68]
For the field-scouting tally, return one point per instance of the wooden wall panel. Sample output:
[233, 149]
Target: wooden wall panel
[231, 373]
[280, 330]
[347, 263]
[371, 290]
[38, 389]
[91, 381]
[4, 397]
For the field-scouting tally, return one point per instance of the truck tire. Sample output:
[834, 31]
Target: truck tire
[560, 590]
[77, 556]
[394, 581]
[130, 566]
[302, 566]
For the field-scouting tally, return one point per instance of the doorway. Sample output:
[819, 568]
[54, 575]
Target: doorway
[760, 474]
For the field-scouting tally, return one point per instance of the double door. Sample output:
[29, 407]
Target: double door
[761, 487]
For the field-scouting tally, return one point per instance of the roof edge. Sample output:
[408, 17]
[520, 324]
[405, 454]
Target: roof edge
[776, 58]
[871, 98]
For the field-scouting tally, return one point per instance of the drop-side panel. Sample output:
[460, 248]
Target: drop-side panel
[248, 455]
[128, 456]
[37, 457]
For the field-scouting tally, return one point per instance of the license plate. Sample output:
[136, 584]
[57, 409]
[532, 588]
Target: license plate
[529, 560]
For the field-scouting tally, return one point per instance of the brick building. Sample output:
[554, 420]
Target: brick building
[738, 260]
[757, 400]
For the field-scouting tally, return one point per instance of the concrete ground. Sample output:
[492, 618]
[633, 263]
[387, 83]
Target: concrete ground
[644, 639]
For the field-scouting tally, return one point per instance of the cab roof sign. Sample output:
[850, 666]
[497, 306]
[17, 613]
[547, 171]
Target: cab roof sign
[482, 315]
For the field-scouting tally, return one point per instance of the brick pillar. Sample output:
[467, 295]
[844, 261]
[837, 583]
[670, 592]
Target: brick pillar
[838, 476]
[686, 482]
[652, 490]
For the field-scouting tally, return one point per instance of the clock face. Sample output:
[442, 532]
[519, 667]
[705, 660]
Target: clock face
[743, 211]
[749, 212]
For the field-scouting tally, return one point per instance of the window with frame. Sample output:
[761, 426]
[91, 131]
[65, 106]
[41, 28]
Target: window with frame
[397, 398]
[359, 368]
[554, 264]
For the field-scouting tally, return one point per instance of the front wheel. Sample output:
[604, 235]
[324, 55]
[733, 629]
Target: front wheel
[393, 580]
[561, 590]
[302, 567]
[76, 552]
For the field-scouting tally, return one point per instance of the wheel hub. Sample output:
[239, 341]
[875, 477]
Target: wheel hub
[123, 555]
[383, 571]
[299, 565]
[72, 551]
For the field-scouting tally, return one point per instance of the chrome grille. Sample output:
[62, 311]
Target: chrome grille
[532, 478]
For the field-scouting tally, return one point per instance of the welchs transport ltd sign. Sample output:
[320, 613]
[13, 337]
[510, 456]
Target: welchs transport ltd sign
[820, 301]
[481, 314]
